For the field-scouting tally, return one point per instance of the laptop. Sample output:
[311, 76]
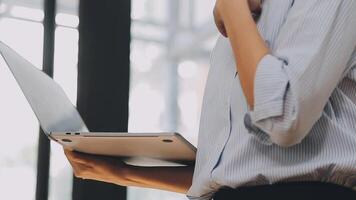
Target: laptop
[63, 124]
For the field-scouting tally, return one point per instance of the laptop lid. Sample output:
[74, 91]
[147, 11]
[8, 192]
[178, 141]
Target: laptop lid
[47, 99]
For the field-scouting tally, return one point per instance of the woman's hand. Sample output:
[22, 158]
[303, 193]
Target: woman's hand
[255, 7]
[106, 169]
[113, 170]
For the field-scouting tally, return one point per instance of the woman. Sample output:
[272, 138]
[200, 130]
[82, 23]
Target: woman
[279, 104]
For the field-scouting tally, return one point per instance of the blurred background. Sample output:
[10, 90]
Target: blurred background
[171, 41]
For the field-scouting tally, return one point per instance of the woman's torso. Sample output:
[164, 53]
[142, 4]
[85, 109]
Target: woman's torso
[229, 156]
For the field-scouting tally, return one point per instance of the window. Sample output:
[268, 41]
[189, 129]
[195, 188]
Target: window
[65, 73]
[21, 28]
[18, 153]
[170, 52]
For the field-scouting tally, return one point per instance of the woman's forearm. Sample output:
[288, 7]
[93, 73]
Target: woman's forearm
[113, 170]
[247, 44]
[175, 179]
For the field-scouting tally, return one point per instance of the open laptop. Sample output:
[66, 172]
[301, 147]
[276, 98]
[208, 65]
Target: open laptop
[62, 123]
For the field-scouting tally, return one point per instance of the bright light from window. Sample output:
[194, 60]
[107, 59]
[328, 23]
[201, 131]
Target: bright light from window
[18, 152]
[27, 13]
[25, 37]
[187, 69]
[11, 185]
[148, 107]
[19, 126]
[67, 20]
[152, 51]
[143, 57]
[3, 8]
[188, 104]
[140, 62]
[61, 175]
[139, 10]
[66, 59]
[65, 73]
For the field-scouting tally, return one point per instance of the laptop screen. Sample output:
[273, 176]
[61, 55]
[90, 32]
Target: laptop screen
[49, 102]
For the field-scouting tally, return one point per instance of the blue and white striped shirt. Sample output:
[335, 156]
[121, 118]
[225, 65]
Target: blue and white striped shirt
[303, 126]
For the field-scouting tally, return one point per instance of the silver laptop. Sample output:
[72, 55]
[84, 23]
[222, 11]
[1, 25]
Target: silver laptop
[62, 123]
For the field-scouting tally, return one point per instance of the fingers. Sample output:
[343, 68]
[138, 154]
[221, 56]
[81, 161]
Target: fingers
[81, 158]
[80, 171]
[80, 167]
[94, 161]
[74, 157]
[100, 168]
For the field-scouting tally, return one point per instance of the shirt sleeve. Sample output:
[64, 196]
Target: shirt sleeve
[295, 80]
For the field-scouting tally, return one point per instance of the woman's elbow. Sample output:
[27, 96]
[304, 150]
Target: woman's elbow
[290, 135]
[291, 126]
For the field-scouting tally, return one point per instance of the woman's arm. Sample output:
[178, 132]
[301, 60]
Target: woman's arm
[112, 170]
[175, 179]
[289, 85]
[247, 44]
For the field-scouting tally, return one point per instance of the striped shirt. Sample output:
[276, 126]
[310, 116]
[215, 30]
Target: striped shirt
[303, 126]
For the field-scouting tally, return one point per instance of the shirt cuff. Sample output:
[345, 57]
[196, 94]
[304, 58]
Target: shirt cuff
[270, 86]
